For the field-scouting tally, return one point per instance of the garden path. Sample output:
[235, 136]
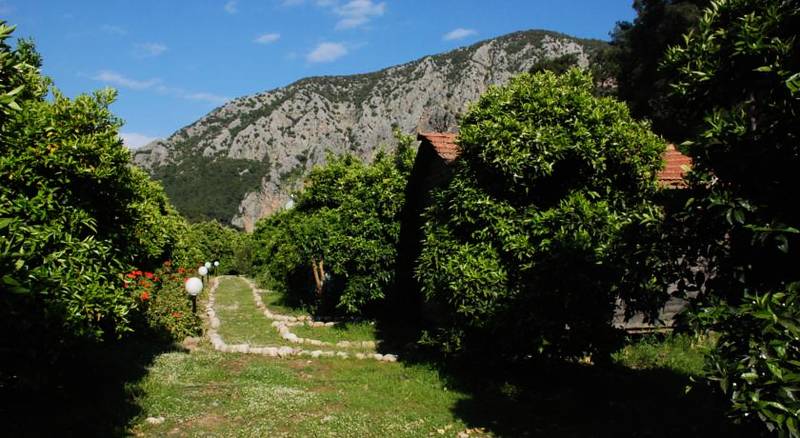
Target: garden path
[287, 344]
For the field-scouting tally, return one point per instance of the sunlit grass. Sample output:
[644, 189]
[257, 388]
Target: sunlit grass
[241, 321]
[346, 331]
[682, 353]
[209, 393]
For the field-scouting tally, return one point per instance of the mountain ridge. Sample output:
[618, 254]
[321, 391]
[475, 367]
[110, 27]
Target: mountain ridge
[260, 146]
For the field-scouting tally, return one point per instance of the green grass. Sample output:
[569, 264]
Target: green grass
[240, 320]
[275, 302]
[207, 393]
[361, 331]
[683, 354]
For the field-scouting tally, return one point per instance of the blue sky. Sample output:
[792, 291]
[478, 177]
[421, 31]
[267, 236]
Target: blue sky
[175, 60]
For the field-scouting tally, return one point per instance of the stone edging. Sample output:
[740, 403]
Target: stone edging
[281, 323]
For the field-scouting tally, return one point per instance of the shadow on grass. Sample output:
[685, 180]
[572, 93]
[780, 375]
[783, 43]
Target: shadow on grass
[574, 400]
[91, 393]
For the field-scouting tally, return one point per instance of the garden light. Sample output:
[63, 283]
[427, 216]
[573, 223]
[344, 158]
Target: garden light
[208, 265]
[203, 271]
[193, 287]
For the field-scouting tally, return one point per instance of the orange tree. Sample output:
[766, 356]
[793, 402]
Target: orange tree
[533, 239]
[74, 215]
[740, 71]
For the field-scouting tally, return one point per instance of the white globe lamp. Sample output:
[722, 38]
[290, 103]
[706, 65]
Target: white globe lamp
[193, 287]
[208, 265]
[203, 271]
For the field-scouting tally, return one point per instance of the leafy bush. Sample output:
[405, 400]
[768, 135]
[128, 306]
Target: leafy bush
[336, 250]
[162, 298]
[756, 360]
[74, 215]
[741, 70]
[210, 241]
[524, 252]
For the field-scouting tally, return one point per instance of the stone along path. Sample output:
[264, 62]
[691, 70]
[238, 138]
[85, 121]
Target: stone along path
[276, 339]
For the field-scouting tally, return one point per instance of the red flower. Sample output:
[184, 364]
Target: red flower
[156, 279]
[144, 296]
[125, 284]
[181, 270]
[131, 275]
[149, 275]
[176, 314]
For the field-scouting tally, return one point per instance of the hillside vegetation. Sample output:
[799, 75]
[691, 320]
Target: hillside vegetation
[284, 132]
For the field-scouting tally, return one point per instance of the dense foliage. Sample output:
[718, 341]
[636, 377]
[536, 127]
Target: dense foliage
[635, 53]
[741, 69]
[523, 249]
[335, 250]
[161, 297]
[210, 241]
[74, 216]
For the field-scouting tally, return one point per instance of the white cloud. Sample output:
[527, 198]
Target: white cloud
[327, 52]
[113, 30]
[204, 97]
[460, 33]
[356, 13]
[114, 78]
[267, 38]
[147, 50]
[156, 85]
[134, 140]
[231, 7]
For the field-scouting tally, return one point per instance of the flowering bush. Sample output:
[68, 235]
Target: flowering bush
[161, 298]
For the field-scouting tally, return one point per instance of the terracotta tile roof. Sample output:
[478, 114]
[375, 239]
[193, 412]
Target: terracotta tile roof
[676, 164]
[444, 143]
[675, 167]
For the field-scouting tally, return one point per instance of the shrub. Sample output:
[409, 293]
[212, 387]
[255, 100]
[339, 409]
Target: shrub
[523, 251]
[74, 215]
[741, 70]
[164, 303]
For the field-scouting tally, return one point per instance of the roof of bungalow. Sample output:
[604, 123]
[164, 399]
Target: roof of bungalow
[675, 167]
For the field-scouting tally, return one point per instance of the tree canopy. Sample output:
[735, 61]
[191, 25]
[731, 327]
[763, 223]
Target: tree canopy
[523, 249]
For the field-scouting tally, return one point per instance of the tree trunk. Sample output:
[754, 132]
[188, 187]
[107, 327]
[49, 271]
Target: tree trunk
[318, 268]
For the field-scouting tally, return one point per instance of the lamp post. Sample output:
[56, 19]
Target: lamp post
[203, 271]
[193, 287]
[216, 266]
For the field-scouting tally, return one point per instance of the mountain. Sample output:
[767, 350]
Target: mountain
[241, 161]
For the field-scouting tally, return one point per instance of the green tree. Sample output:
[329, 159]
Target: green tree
[336, 250]
[74, 215]
[636, 52]
[523, 251]
[741, 71]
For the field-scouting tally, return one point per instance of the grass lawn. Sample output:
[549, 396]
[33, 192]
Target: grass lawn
[209, 393]
[145, 389]
[276, 304]
[352, 331]
[241, 322]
